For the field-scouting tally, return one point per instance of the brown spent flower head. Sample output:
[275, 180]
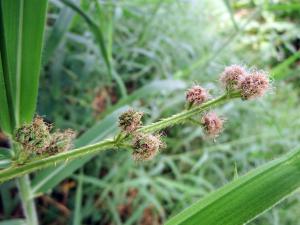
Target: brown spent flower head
[34, 137]
[254, 85]
[212, 124]
[61, 141]
[146, 146]
[130, 120]
[196, 95]
[232, 77]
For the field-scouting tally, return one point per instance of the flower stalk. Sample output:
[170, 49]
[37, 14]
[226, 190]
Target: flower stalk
[17, 170]
[28, 205]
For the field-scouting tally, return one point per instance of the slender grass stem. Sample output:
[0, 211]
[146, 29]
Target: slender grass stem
[98, 33]
[27, 200]
[182, 116]
[24, 187]
[20, 169]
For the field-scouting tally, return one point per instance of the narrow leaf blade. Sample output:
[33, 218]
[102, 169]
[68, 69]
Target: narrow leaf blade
[248, 196]
[34, 15]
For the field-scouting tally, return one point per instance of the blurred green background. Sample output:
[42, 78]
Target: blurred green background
[107, 55]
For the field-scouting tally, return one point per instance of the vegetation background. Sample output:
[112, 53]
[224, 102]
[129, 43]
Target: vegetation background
[156, 49]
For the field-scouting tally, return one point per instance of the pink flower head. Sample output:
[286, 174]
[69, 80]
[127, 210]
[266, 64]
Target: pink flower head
[196, 95]
[232, 77]
[212, 124]
[146, 146]
[254, 85]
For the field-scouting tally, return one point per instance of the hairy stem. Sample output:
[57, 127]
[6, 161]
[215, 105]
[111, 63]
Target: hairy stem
[117, 142]
[186, 114]
[18, 170]
[27, 200]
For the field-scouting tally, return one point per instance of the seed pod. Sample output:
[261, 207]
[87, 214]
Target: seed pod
[146, 146]
[254, 85]
[196, 95]
[232, 77]
[212, 124]
[34, 137]
[61, 141]
[130, 120]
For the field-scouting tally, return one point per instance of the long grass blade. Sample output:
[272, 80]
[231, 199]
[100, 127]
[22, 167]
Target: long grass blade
[22, 26]
[246, 197]
[5, 119]
[97, 31]
[58, 32]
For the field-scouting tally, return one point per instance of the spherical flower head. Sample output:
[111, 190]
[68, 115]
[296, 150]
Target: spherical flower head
[34, 137]
[254, 85]
[61, 141]
[232, 77]
[212, 124]
[196, 95]
[146, 146]
[130, 120]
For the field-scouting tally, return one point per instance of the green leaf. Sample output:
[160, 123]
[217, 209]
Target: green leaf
[281, 70]
[78, 202]
[58, 32]
[13, 222]
[6, 122]
[246, 197]
[148, 90]
[98, 34]
[284, 7]
[22, 25]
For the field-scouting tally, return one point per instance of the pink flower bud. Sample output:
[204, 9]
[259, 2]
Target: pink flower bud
[232, 77]
[196, 95]
[146, 146]
[212, 124]
[130, 120]
[254, 85]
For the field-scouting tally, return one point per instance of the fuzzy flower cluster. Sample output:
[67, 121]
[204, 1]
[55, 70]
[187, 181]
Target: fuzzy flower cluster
[235, 79]
[251, 84]
[145, 146]
[196, 95]
[130, 120]
[36, 138]
[212, 124]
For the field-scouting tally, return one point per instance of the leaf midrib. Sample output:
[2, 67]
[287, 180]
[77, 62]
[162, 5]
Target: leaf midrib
[19, 64]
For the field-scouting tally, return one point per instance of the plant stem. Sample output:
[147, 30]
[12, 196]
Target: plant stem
[18, 170]
[182, 116]
[98, 33]
[27, 200]
[23, 184]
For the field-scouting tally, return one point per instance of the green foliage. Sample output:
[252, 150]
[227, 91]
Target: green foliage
[158, 48]
[20, 59]
[243, 199]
